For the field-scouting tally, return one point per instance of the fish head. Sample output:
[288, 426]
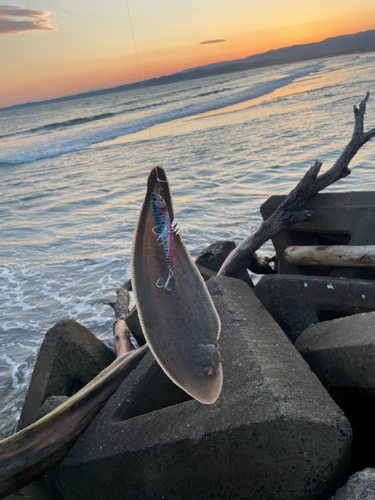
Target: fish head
[208, 373]
[158, 200]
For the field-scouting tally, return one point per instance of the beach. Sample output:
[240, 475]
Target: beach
[74, 177]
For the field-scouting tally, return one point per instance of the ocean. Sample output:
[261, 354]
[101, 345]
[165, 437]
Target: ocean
[73, 178]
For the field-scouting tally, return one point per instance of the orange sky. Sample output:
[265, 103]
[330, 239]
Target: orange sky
[51, 49]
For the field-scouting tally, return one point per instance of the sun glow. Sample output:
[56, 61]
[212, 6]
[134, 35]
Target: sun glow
[84, 49]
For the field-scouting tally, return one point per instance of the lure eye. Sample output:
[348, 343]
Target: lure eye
[210, 373]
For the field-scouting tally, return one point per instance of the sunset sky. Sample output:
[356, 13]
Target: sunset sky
[54, 48]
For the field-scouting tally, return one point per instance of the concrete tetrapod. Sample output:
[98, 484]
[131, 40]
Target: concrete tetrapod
[296, 302]
[341, 352]
[69, 358]
[273, 433]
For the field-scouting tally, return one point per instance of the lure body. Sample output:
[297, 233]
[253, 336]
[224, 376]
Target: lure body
[164, 232]
[163, 226]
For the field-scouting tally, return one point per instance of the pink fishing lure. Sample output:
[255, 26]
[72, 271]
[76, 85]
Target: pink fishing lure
[164, 230]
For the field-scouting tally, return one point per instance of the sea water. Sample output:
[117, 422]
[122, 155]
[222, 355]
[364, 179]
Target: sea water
[73, 179]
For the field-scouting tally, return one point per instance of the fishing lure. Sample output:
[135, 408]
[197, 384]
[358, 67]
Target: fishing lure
[164, 230]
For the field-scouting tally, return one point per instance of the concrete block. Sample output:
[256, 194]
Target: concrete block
[205, 272]
[342, 352]
[336, 222]
[361, 486]
[214, 255]
[50, 404]
[297, 302]
[70, 356]
[273, 433]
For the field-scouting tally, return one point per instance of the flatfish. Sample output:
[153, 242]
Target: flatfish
[176, 312]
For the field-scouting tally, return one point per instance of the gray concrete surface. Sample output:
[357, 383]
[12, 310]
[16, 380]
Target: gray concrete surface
[296, 302]
[273, 433]
[342, 352]
[70, 356]
[214, 255]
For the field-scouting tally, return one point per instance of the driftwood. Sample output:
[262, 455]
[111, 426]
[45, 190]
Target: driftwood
[29, 453]
[291, 209]
[121, 330]
[333, 255]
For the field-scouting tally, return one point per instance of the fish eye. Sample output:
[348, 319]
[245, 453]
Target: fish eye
[210, 373]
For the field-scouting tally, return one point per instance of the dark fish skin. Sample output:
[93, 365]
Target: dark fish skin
[180, 322]
[29, 453]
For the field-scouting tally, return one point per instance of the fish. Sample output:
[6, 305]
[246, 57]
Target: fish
[179, 320]
[29, 453]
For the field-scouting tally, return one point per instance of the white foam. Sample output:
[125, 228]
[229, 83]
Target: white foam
[77, 138]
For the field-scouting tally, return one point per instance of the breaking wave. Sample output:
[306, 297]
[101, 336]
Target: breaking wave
[84, 134]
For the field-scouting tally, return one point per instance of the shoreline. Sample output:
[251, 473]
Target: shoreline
[194, 74]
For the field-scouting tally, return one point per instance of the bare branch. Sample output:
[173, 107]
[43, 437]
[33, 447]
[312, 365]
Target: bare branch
[291, 209]
[121, 330]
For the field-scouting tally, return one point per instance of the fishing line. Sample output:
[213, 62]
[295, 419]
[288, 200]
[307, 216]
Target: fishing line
[143, 88]
[140, 78]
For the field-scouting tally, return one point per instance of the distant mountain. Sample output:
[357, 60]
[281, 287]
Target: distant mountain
[358, 42]
[328, 47]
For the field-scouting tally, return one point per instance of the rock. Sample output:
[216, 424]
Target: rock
[361, 486]
[336, 217]
[205, 272]
[49, 405]
[214, 255]
[273, 433]
[341, 352]
[32, 492]
[70, 356]
[297, 302]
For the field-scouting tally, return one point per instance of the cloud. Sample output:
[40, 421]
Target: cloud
[212, 41]
[16, 19]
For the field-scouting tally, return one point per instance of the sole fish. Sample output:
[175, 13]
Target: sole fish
[179, 321]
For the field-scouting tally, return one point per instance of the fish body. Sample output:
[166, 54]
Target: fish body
[179, 321]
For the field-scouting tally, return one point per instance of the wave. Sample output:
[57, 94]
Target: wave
[212, 92]
[70, 141]
[57, 125]
[74, 121]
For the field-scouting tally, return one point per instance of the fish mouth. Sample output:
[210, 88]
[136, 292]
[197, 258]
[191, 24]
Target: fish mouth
[210, 393]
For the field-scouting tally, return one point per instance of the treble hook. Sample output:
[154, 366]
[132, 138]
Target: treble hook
[170, 274]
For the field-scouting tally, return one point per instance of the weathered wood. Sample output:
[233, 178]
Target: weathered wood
[28, 454]
[291, 209]
[121, 333]
[121, 306]
[261, 265]
[121, 330]
[333, 255]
